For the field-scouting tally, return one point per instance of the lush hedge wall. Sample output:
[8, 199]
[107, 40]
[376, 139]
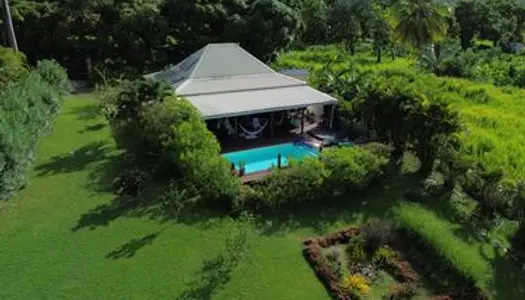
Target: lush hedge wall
[30, 101]
[153, 124]
[337, 171]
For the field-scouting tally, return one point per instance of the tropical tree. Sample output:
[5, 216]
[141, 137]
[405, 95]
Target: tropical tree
[420, 22]
[345, 24]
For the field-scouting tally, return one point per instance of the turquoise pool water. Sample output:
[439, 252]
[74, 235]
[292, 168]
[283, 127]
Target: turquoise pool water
[262, 159]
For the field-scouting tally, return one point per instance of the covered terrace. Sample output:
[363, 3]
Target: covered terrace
[243, 101]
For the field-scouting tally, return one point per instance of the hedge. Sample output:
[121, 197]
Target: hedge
[29, 104]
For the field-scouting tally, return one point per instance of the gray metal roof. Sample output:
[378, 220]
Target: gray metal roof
[224, 80]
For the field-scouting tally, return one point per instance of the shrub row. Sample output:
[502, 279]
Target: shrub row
[30, 101]
[154, 124]
[337, 171]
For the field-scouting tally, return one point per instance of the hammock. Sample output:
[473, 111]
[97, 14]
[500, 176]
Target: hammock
[229, 127]
[253, 134]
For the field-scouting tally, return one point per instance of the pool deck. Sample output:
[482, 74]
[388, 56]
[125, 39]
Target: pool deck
[255, 177]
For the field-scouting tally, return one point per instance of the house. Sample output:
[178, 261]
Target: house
[226, 83]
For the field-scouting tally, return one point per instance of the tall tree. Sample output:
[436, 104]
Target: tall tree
[345, 23]
[420, 22]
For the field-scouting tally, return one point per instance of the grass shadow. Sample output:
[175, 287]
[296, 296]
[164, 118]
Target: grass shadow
[213, 276]
[92, 128]
[87, 112]
[320, 216]
[129, 249]
[508, 276]
[76, 160]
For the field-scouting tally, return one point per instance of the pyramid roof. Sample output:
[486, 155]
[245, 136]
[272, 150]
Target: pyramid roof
[224, 80]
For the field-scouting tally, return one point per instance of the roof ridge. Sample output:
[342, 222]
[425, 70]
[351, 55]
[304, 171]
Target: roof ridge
[204, 52]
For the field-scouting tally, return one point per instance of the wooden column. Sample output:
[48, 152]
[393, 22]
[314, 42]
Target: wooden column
[302, 121]
[332, 114]
[271, 124]
[236, 122]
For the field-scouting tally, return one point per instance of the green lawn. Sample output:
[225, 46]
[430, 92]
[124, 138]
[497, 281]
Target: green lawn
[66, 237]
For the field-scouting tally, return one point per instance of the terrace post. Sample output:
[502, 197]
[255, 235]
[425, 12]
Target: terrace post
[236, 122]
[279, 160]
[271, 125]
[331, 125]
[302, 121]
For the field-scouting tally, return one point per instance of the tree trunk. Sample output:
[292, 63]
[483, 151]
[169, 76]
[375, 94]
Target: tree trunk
[378, 50]
[437, 51]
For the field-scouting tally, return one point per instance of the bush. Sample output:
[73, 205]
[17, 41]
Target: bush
[12, 65]
[356, 285]
[351, 168]
[384, 256]
[376, 234]
[302, 182]
[27, 109]
[130, 182]
[177, 198]
[355, 251]
[174, 129]
[248, 198]
[54, 75]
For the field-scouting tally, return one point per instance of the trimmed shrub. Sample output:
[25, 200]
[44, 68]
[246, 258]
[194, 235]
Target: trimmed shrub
[351, 168]
[302, 182]
[174, 129]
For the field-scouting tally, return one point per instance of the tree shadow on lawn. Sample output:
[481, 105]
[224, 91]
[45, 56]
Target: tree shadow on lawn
[87, 112]
[92, 128]
[213, 276]
[76, 160]
[129, 249]
[324, 213]
[508, 276]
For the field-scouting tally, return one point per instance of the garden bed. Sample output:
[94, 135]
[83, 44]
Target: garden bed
[377, 261]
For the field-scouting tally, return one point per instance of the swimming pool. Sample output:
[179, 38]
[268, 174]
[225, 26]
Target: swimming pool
[262, 159]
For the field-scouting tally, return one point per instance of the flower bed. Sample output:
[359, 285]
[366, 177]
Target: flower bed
[350, 274]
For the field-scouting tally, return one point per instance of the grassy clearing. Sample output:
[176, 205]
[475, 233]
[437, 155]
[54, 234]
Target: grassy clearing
[64, 237]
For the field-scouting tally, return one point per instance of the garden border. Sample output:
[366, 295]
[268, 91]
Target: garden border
[400, 268]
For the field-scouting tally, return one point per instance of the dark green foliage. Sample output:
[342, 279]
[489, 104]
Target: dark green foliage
[301, 183]
[152, 123]
[54, 75]
[130, 182]
[29, 104]
[377, 234]
[175, 199]
[499, 21]
[134, 37]
[271, 26]
[351, 168]
[12, 65]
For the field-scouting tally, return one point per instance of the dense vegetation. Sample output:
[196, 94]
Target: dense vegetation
[30, 100]
[113, 37]
[451, 144]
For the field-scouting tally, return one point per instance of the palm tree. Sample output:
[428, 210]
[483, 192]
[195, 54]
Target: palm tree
[420, 22]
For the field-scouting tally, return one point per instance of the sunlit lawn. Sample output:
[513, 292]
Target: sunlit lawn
[66, 237]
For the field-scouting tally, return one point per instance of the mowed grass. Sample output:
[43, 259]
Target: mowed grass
[65, 237]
